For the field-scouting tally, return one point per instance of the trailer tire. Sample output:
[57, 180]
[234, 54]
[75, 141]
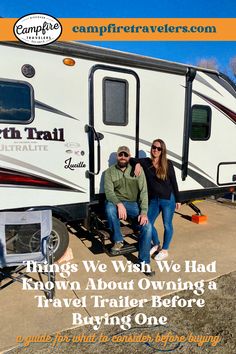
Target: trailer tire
[60, 238]
[26, 243]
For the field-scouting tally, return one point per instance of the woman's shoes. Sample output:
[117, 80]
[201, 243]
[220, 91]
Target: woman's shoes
[163, 254]
[155, 249]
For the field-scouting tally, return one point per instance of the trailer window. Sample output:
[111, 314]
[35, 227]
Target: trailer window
[115, 101]
[15, 102]
[201, 122]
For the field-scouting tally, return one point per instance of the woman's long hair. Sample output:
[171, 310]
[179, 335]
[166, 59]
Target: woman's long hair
[162, 169]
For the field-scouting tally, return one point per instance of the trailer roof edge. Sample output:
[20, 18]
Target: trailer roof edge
[87, 51]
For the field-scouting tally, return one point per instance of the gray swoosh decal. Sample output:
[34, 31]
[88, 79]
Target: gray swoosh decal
[41, 105]
[204, 182]
[36, 169]
[171, 153]
[206, 83]
[225, 82]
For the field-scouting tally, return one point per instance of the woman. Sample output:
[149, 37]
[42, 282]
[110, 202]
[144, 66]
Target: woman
[163, 194]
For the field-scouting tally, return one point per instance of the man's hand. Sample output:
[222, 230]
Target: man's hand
[143, 219]
[121, 211]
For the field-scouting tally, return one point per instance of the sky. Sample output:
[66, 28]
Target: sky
[183, 52]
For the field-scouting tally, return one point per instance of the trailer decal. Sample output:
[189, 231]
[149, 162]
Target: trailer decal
[204, 182]
[226, 111]
[11, 177]
[23, 147]
[72, 166]
[206, 83]
[39, 172]
[171, 153]
[41, 105]
[34, 134]
[225, 82]
[57, 134]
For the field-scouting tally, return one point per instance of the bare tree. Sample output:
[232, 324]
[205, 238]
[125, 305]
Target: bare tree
[232, 65]
[209, 63]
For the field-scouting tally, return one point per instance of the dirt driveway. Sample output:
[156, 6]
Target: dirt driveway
[208, 330]
[195, 329]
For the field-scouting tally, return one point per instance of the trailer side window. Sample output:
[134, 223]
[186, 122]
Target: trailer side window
[201, 122]
[115, 101]
[15, 102]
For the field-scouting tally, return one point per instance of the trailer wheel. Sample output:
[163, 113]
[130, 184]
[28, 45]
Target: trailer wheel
[27, 242]
[60, 238]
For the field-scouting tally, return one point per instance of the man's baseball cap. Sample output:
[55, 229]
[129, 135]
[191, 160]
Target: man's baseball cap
[123, 149]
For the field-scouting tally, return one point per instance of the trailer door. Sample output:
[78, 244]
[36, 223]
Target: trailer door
[114, 110]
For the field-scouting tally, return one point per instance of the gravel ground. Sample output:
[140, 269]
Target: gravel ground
[214, 322]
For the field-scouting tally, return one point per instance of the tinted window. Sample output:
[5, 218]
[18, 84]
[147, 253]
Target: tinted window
[15, 102]
[115, 101]
[201, 122]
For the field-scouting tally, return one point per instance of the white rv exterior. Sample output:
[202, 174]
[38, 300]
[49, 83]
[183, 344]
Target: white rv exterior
[50, 114]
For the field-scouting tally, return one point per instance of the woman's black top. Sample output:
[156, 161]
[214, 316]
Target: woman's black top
[156, 186]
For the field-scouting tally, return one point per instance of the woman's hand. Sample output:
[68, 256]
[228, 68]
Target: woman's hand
[177, 206]
[138, 170]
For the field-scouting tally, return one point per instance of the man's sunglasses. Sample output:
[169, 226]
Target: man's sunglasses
[156, 148]
[123, 154]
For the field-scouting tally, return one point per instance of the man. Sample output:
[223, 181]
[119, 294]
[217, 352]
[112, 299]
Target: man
[127, 196]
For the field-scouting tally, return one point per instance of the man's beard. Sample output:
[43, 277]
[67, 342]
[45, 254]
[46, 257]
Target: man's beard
[122, 164]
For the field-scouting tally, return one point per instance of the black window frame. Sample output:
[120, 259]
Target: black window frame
[209, 115]
[126, 122]
[32, 105]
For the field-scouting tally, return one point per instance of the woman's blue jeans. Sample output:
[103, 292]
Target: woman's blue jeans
[167, 208]
[133, 211]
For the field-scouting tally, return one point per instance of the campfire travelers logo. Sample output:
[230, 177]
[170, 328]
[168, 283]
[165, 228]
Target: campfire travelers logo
[37, 29]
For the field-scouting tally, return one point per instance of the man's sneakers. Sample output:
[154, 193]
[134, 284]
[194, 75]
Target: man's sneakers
[117, 247]
[163, 254]
[146, 269]
[149, 272]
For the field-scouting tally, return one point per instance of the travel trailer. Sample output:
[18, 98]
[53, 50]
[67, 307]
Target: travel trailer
[66, 107]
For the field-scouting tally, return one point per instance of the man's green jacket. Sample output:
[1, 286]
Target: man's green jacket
[121, 186]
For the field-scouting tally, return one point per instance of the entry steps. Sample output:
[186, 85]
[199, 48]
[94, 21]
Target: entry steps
[127, 232]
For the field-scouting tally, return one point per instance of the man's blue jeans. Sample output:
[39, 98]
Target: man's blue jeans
[167, 208]
[133, 212]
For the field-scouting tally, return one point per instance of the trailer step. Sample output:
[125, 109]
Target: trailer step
[105, 237]
[199, 219]
[107, 244]
[126, 249]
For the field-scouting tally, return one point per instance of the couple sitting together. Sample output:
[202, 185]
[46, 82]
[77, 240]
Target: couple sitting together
[141, 196]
